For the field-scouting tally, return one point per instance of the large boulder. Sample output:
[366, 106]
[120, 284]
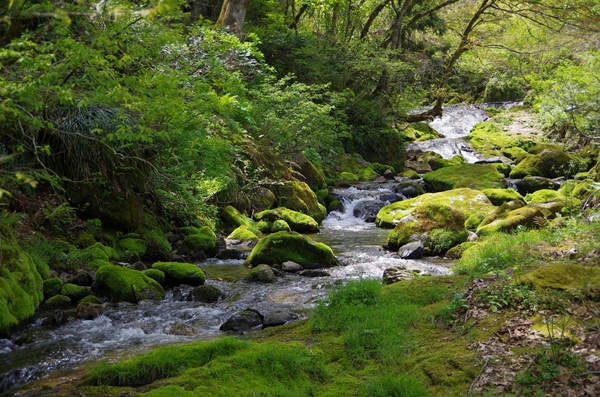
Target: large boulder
[438, 227]
[200, 240]
[530, 184]
[368, 210]
[501, 196]
[549, 163]
[418, 132]
[507, 218]
[121, 284]
[21, 284]
[280, 247]
[298, 196]
[262, 198]
[466, 201]
[297, 221]
[181, 273]
[308, 173]
[231, 219]
[473, 176]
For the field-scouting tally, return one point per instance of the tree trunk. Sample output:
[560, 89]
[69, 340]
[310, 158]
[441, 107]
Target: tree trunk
[233, 14]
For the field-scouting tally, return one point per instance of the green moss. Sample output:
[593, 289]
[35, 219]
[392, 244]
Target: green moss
[84, 240]
[501, 196]
[457, 251]
[418, 132]
[242, 233]
[231, 219]
[75, 292]
[181, 273]
[264, 226]
[506, 221]
[94, 252]
[410, 174]
[204, 240]
[280, 225]
[543, 196]
[121, 284]
[578, 189]
[21, 285]
[57, 302]
[466, 201]
[348, 176]
[382, 168]
[548, 163]
[132, 247]
[157, 246]
[367, 174]
[442, 228]
[52, 287]
[439, 162]
[262, 198]
[336, 205]
[503, 168]
[473, 176]
[97, 264]
[489, 138]
[563, 276]
[297, 221]
[91, 299]
[475, 219]
[298, 196]
[515, 153]
[188, 230]
[155, 274]
[280, 247]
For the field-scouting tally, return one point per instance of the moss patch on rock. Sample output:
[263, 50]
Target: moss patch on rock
[439, 227]
[121, 284]
[543, 196]
[231, 219]
[418, 132]
[204, 240]
[298, 196]
[281, 247]
[181, 273]
[473, 176]
[75, 292]
[563, 276]
[466, 201]
[508, 220]
[52, 287]
[242, 233]
[297, 221]
[155, 274]
[157, 246]
[501, 196]
[132, 247]
[549, 163]
[280, 226]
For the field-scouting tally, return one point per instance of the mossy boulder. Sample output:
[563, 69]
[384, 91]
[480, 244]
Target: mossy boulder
[437, 163]
[132, 247]
[308, 173]
[297, 221]
[52, 287]
[438, 227]
[410, 174]
[57, 302]
[348, 176]
[472, 176]
[336, 205]
[578, 189]
[465, 201]
[563, 276]
[543, 196]
[122, 284]
[231, 219]
[508, 220]
[501, 196]
[205, 293]
[242, 233]
[262, 273]
[181, 273]
[456, 252]
[549, 163]
[204, 240]
[489, 138]
[516, 154]
[75, 292]
[367, 174]
[298, 196]
[156, 275]
[262, 198]
[281, 247]
[92, 253]
[280, 226]
[157, 246]
[21, 286]
[418, 132]
[530, 184]
[84, 240]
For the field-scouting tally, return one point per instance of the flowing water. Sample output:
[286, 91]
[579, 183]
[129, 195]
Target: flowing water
[124, 329]
[455, 124]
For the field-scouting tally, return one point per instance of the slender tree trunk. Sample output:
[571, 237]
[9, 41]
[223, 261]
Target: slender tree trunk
[371, 19]
[294, 25]
[233, 13]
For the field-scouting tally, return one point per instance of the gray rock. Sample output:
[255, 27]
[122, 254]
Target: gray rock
[395, 274]
[243, 321]
[278, 317]
[262, 273]
[413, 250]
[89, 311]
[391, 197]
[368, 210]
[389, 175]
[205, 293]
[314, 273]
[232, 253]
[290, 267]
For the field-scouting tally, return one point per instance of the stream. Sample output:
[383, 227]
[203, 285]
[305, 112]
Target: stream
[39, 354]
